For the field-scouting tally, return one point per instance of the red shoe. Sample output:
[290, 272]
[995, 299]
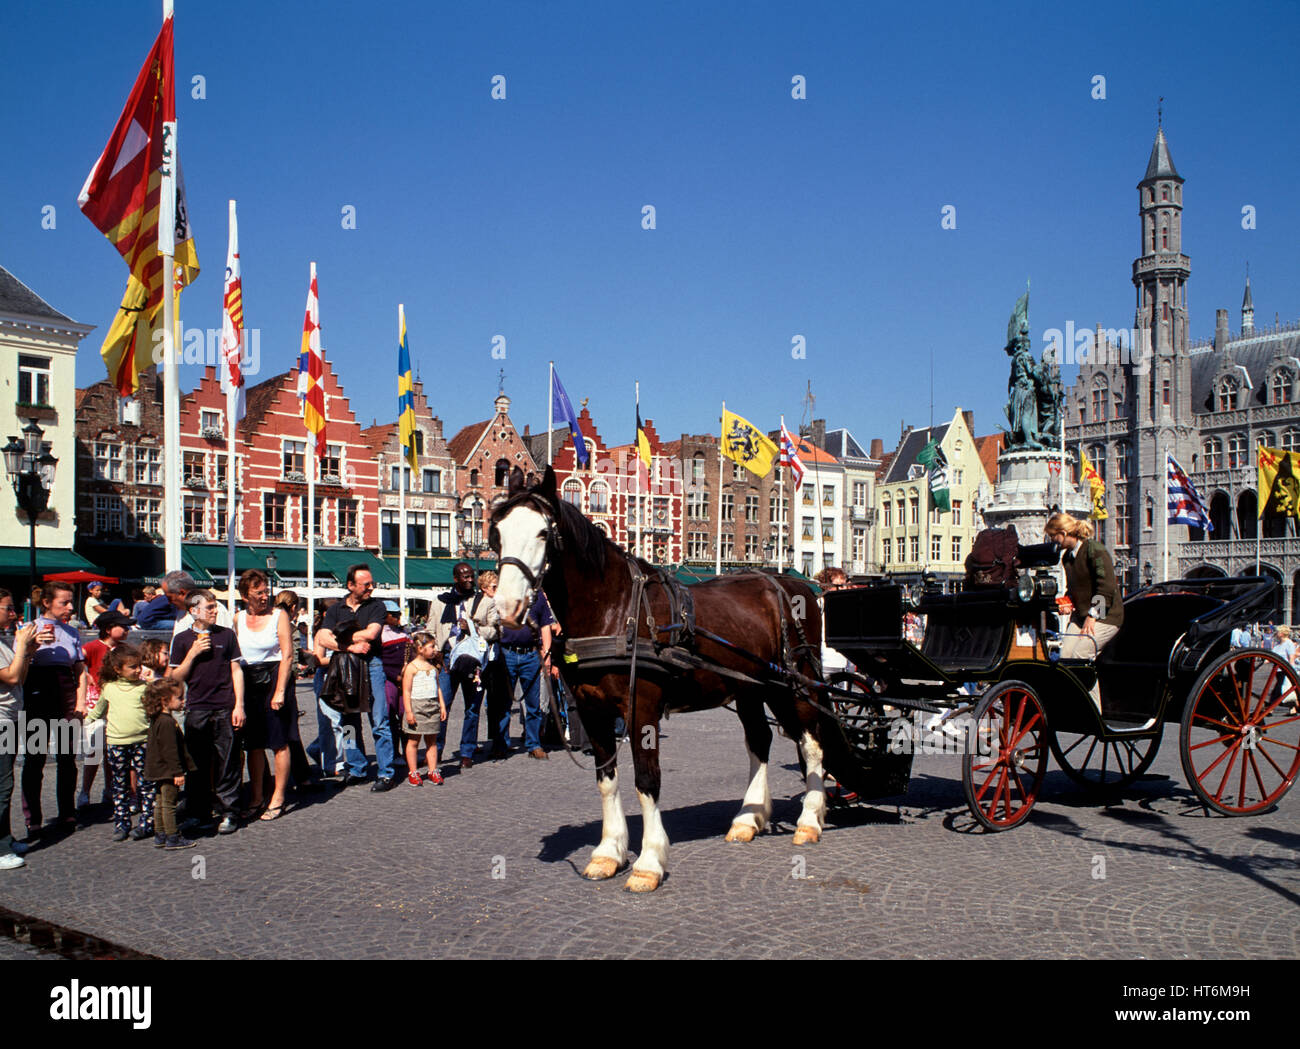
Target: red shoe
[435, 777]
[414, 779]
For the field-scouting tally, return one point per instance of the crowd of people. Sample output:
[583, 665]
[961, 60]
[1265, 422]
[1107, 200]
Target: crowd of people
[200, 732]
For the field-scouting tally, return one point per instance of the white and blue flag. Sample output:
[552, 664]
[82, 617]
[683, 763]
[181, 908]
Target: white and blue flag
[1185, 506]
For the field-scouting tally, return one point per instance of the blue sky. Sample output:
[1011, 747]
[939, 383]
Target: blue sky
[775, 217]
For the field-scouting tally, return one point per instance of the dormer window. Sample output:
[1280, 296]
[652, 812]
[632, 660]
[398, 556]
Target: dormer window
[1227, 396]
[1280, 388]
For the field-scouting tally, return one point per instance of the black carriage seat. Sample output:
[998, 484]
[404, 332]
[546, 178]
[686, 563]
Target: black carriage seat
[967, 636]
[1133, 668]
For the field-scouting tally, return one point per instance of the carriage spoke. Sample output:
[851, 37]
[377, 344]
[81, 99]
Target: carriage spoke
[1258, 712]
[1241, 788]
[1269, 758]
[1232, 729]
[1222, 703]
[1263, 793]
[1223, 783]
[1070, 749]
[1025, 731]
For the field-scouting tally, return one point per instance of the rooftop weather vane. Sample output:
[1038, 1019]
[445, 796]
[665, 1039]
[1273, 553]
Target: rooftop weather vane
[501, 381]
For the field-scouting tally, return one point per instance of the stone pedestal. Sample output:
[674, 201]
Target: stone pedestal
[1028, 487]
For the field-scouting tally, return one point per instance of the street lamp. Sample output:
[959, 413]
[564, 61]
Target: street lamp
[31, 473]
[768, 547]
[471, 533]
[1148, 573]
[271, 562]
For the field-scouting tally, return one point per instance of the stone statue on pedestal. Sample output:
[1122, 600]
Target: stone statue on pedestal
[1034, 391]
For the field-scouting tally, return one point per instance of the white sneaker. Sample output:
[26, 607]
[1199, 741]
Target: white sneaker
[83, 799]
[10, 862]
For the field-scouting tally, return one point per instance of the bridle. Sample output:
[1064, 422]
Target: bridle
[553, 539]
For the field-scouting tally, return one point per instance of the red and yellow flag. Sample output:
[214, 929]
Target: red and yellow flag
[123, 197]
[1096, 486]
[311, 369]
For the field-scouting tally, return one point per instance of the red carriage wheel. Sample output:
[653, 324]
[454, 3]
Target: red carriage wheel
[1105, 765]
[1002, 778]
[1240, 741]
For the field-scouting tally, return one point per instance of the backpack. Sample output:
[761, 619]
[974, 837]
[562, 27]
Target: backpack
[993, 558]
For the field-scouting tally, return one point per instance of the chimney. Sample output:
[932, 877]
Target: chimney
[877, 448]
[526, 425]
[1220, 330]
[818, 436]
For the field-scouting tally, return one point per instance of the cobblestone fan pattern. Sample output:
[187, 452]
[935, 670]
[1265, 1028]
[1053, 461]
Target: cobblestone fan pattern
[488, 866]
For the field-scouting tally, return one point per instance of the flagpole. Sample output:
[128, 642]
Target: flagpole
[1164, 568]
[232, 411]
[780, 511]
[550, 412]
[636, 465]
[311, 480]
[171, 370]
[401, 490]
[717, 567]
[1259, 505]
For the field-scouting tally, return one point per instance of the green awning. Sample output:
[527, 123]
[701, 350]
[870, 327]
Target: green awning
[16, 561]
[337, 563]
[429, 572]
[139, 562]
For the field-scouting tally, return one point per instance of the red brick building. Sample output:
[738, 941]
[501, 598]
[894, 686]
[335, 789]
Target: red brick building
[431, 491]
[485, 453]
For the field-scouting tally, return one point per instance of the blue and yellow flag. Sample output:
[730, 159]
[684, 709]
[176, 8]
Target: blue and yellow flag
[405, 395]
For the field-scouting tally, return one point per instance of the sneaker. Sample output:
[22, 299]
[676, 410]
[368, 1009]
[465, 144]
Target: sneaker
[83, 799]
[177, 842]
[414, 779]
[11, 861]
[121, 834]
[139, 834]
[227, 826]
[435, 778]
[160, 840]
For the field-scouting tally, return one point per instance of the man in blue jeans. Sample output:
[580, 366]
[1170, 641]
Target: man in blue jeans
[526, 650]
[367, 614]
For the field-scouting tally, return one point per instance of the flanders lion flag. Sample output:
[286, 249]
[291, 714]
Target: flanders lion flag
[1279, 482]
[1096, 486]
[744, 443]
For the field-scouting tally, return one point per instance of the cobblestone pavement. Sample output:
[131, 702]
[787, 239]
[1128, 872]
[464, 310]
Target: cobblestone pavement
[488, 866]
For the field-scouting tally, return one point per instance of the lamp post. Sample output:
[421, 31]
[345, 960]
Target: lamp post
[271, 562]
[1148, 573]
[768, 548]
[31, 473]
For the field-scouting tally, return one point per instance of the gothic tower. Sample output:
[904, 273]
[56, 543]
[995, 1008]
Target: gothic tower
[1160, 276]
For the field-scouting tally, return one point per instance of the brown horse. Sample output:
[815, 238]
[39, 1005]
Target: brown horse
[590, 583]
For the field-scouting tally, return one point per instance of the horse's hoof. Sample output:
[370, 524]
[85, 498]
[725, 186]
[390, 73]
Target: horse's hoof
[642, 881]
[807, 835]
[741, 832]
[600, 868]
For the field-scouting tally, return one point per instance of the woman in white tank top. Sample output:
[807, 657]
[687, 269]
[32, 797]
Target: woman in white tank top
[270, 704]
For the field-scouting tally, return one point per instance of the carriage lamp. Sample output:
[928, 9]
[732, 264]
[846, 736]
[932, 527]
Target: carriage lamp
[1025, 586]
[1148, 573]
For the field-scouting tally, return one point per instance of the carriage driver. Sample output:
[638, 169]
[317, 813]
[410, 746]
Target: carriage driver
[1094, 591]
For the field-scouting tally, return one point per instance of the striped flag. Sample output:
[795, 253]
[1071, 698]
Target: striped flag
[790, 457]
[124, 197]
[232, 323]
[1185, 506]
[405, 394]
[311, 369]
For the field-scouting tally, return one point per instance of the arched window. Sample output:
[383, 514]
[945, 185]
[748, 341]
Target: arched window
[473, 478]
[1291, 441]
[1097, 456]
[1281, 387]
[572, 493]
[1100, 399]
[599, 495]
[888, 509]
[1213, 449]
[1237, 456]
[501, 475]
[1265, 439]
[1227, 394]
[697, 468]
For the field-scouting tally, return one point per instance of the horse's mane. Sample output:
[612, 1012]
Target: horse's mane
[588, 540]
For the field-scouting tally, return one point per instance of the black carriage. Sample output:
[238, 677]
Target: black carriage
[989, 668]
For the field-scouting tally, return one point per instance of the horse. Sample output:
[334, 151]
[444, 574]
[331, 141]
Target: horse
[591, 584]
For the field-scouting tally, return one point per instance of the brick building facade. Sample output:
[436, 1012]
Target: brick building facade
[485, 453]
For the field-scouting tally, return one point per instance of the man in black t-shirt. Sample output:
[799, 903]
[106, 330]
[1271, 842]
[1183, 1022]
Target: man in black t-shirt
[206, 657]
[361, 617]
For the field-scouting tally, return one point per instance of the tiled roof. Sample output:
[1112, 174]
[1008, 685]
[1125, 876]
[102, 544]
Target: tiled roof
[909, 448]
[466, 438]
[988, 448]
[536, 444]
[1255, 353]
[17, 297]
[810, 453]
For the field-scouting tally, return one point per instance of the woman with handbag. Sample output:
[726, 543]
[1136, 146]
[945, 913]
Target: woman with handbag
[266, 641]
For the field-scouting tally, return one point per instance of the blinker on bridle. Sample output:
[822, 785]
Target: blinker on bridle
[552, 540]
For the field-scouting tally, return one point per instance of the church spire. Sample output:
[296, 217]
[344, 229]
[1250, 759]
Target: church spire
[1247, 307]
[1161, 164]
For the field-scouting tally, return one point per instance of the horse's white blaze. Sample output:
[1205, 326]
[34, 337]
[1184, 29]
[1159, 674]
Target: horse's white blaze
[756, 808]
[613, 828]
[654, 841]
[521, 536]
[814, 799]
